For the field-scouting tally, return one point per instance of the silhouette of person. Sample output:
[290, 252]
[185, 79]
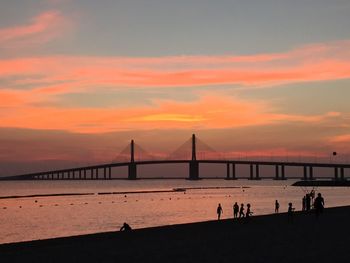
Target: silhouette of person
[277, 206]
[290, 212]
[241, 211]
[125, 227]
[303, 203]
[319, 204]
[249, 212]
[308, 202]
[219, 211]
[235, 210]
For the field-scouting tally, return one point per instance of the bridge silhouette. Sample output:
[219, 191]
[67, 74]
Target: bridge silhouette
[187, 153]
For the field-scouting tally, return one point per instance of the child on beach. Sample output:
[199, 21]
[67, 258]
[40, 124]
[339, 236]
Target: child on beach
[125, 227]
[249, 213]
[241, 211]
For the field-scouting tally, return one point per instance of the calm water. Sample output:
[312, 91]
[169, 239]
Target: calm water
[54, 216]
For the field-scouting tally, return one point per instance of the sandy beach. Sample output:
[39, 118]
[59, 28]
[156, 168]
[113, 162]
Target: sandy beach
[271, 238]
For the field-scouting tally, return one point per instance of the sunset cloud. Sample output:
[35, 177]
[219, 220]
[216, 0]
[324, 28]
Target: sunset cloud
[210, 111]
[319, 62]
[344, 138]
[42, 28]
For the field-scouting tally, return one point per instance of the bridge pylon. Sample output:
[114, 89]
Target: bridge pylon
[194, 165]
[132, 169]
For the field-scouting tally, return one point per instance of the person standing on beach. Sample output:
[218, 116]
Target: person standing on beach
[241, 211]
[303, 203]
[290, 212]
[235, 210]
[219, 211]
[308, 202]
[319, 204]
[277, 206]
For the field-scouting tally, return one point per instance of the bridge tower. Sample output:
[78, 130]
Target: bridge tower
[194, 165]
[132, 171]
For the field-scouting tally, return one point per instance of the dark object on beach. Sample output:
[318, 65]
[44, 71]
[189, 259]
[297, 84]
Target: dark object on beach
[219, 211]
[319, 204]
[125, 227]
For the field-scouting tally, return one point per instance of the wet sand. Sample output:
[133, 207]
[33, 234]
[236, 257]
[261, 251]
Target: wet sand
[271, 238]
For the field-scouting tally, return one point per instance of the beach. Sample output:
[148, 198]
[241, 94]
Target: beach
[268, 238]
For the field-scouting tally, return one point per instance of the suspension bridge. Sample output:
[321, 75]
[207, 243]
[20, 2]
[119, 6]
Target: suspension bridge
[187, 154]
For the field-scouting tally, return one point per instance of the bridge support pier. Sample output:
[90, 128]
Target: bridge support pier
[105, 173]
[311, 173]
[305, 173]
[234, 171]
[251, 175]
[132, 171]
[193, 170]
[283, 177]
[257, 174]
[227, 171]
[109, 173]
[277, 176]
[97, 174]
[336, 173]
[342, 177]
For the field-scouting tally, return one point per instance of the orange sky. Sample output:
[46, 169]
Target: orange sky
[55, 77]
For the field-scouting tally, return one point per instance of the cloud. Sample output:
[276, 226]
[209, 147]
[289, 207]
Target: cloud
[318, 62]
[344, 138]
[41, 29]
[210, 111]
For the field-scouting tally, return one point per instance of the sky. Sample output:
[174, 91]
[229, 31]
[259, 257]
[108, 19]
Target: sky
[80, 78]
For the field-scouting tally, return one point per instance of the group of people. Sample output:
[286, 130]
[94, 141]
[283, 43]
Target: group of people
[307, 201]
[318, 204]
[238, 211]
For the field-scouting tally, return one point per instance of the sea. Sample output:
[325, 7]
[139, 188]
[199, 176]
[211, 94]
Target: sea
[33, 210]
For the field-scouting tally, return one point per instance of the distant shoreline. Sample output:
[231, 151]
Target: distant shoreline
[124, 192]
[337, 183]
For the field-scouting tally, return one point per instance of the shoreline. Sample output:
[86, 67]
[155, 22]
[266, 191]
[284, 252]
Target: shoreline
[265, 238]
